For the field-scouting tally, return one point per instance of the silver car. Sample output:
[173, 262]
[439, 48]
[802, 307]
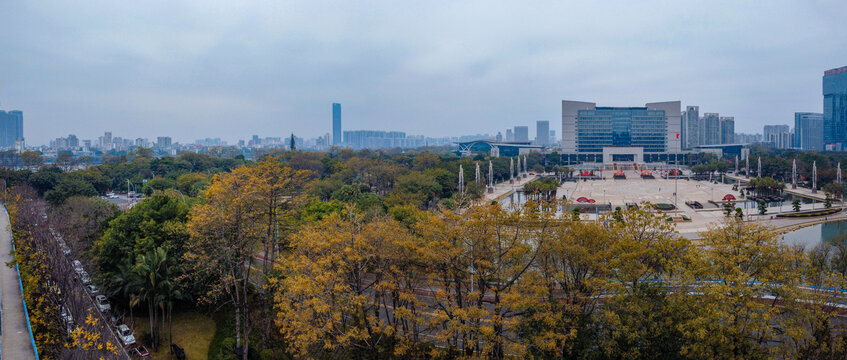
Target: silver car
[103, 303]
[125, 334]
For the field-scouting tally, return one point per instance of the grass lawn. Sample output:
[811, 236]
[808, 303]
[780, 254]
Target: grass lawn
[192, 332]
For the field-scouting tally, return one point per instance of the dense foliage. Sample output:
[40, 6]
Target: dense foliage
[378, 255]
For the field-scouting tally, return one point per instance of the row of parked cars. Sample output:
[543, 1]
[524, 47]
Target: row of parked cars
[123, 331]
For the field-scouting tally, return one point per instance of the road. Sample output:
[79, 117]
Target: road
[16, 343]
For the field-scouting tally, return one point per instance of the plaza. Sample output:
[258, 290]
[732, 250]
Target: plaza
[635, 190]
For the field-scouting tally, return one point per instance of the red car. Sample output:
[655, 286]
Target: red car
[141, 352]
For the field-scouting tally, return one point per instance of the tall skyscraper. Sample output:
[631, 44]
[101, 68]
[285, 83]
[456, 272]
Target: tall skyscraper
[710, 129]
[808, 131]
[522, 133]
[542, 133]
[835, 107]
[727, 130]
[336, 124]
[510, 136]
[11, 128]
[691, 127]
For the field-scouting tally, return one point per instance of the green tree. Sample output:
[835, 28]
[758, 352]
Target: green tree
[32, 159]
[157, 222]
[796, 205]
[827, 203]
[763, 208]
[727, 209]
[68, 186]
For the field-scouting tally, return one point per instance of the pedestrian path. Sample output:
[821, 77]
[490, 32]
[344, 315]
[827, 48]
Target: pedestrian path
[16, 343]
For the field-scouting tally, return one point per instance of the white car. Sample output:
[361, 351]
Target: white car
[93, 290]
[66, 250]
[84, 277]
[125, 334]
[103, 303]
[78, 266]
[66, 316]
[68, 319]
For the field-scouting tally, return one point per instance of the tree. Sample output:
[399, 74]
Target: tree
[81, 220]
[157, 222]
[749, 265]
[236, 223]
[796, 205]
[727, 209]
[291, 143]
[191, 184]
[827, 203]
[739, 214]
[348, 287]
[65, 159]
[32, 159]
[68, 186]
[154, 278]
[763, 207]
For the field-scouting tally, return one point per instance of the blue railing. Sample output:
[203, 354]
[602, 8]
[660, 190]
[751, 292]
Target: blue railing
[21, 285]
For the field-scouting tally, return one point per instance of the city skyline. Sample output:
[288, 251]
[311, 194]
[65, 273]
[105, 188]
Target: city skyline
[189, 72]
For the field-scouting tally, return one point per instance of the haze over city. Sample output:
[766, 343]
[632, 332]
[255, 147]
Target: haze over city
[221, 69]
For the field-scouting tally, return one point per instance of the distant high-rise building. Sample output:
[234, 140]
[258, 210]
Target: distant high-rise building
[163, 142]
[336, 124]
[710, 129]
[835, 107]
[808, 131]
[522, 133]
[73, 141]
[691, 126]
[773, 134]
[727, 130]
[510, 136]
[373, 139]
[107, 139]
[499, 137]
[743, 138]
[11, 128]
[552, 137]
[542, 132]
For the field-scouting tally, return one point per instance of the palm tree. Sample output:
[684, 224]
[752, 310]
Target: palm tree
[128, 284]
[153, 270]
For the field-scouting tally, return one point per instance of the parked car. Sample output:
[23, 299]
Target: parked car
[66, 250]
[103, 303]
[78, 266]
[141, 352]
[85, 278]
[66, 315]
[92, 289]
[68, 319]
[125, 334]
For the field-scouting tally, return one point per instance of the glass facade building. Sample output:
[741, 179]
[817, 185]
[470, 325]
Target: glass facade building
[336, 124]
[835, 107]
[11, 128]
[616, 126]
[808, 131]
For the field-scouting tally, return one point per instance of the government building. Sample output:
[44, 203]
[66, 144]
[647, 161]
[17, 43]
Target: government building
[621, 135]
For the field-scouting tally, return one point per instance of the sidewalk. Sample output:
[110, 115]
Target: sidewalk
[15, 335]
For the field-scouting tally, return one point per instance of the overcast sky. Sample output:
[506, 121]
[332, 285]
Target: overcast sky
[230, 69]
